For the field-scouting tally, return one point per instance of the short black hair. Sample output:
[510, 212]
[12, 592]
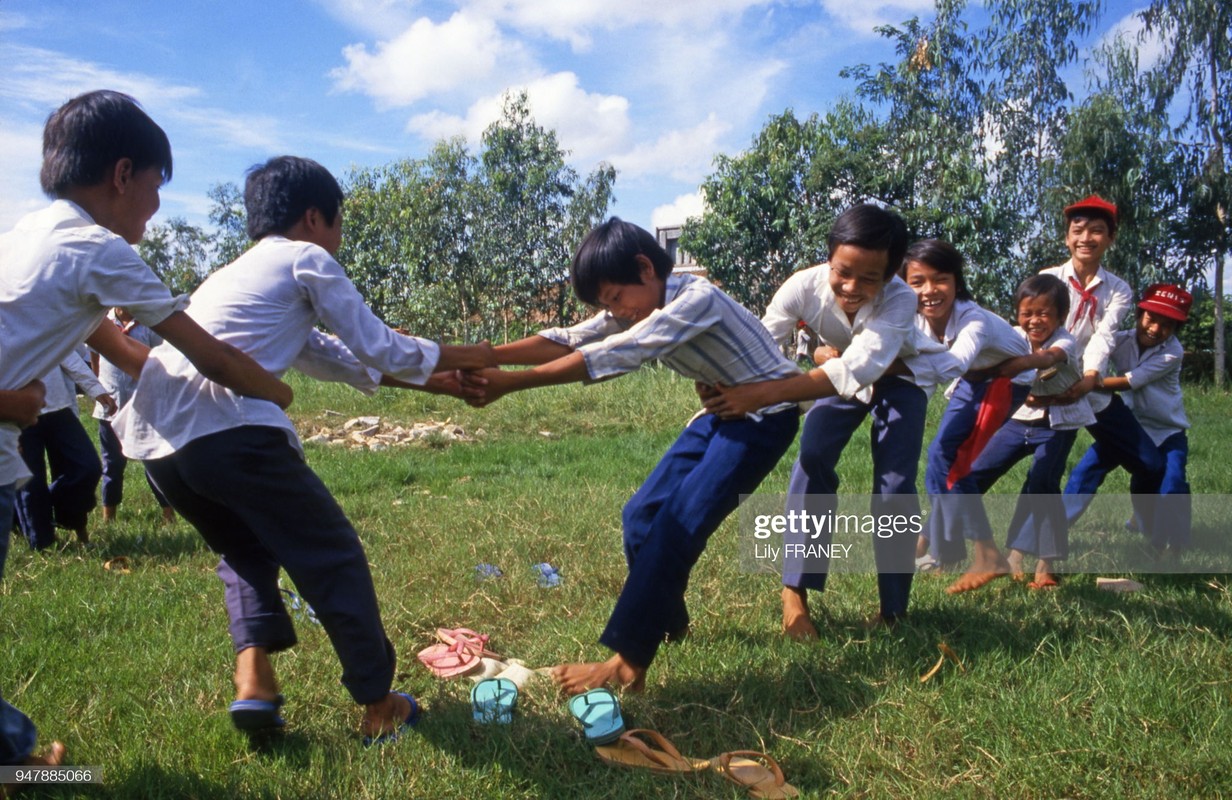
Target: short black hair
[1090, 214]
[609, 253]
[279, 192]
[1044, 284]
[84, 138]
[943, 257]
[871, 227]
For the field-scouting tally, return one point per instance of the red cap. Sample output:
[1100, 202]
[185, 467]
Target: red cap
[1167, 300]
[1092, 203]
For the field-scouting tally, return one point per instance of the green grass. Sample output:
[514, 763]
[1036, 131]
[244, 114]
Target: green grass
[1074, 693]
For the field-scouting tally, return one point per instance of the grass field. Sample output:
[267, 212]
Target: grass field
[1074, 693]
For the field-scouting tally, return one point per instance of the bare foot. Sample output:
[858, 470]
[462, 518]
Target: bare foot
[53, 757]
[921, 547]
[168, 515]
[109, 514]
[254, 675]
[1044, 577]
[986, 566]
[1015, 562]
[385, 716]
[796, 622]
[578, 678]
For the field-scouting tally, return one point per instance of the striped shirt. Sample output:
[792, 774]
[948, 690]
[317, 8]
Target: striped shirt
[700, 332]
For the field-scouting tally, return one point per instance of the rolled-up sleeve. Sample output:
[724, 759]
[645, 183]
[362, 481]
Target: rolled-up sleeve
[597, 328]
[1153, 369]
[790, 304]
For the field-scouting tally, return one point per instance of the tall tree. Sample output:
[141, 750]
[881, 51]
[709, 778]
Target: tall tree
[230, 221]
[1195, 70]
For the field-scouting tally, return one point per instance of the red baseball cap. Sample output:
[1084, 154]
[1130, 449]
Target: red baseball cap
[1167, 300]
[1092, 203]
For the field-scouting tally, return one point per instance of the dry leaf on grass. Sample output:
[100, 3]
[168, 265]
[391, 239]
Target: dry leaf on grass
[118, 564]
[946, 652]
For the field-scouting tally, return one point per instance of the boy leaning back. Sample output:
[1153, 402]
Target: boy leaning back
[233, 467]
[695, 329]
[61, 268]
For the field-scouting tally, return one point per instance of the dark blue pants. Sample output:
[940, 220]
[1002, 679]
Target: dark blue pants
[17, 733]
[58, 441]
[668, 521]
[952, 508]
[114, 464]
[252, 498]
[1039, 501]
[898, 410]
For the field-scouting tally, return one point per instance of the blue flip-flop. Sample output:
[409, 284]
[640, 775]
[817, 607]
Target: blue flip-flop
[599, 713]
[257, 716]
[493, 700]
[392, 736]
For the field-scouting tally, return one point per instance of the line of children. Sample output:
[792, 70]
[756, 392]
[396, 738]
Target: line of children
[694, 328]
[233, 466]
[864, 315]
[1147, 360]
[63, 267]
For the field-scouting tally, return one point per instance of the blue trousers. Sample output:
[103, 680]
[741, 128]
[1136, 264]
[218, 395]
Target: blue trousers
[952, 508]
[1166, 519]
[1040, 497]
[17, 733]
[114, 464]
[58, 441]
[898, 410]
[252, 498]
[668, 521]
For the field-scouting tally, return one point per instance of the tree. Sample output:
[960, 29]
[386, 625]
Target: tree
[230, 221]
[178, 253]
[1196, 69]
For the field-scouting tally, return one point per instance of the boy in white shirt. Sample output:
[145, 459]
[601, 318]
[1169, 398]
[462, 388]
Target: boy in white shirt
[864, 315]
[233, 466]
[1147, 360]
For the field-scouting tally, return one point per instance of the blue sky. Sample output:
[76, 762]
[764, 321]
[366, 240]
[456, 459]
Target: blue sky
[654, 87]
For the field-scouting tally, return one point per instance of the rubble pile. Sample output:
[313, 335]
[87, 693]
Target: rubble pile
[373, 434]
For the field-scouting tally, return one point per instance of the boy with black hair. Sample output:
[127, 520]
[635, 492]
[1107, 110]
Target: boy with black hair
[691, 326]
[233, 466]
[864, 315]
[61, 268]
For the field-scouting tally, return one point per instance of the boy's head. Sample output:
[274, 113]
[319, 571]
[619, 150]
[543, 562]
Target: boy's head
[933, 268]
[1090, 228]
[1041, 303]
[621, 268]
[866, 245]
[86, 138]
[281, 192]
[1163, 310]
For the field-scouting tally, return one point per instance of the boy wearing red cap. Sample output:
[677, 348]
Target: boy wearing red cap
[1148, 362]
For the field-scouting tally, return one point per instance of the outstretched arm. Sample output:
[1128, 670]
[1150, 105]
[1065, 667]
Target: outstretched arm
[219, 361]
[734, 402]
[532, 350]
[570, 369]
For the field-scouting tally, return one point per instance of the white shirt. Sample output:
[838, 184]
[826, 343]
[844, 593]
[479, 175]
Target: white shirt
[1060, 418]
[59, 273]
[62, 382]
[118, 383]
[267, 303]
[1113, 300]
[700, 332]
[883, 330]
[976, 337]
[1155, 383]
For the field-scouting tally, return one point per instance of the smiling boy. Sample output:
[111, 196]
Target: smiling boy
[692, 327]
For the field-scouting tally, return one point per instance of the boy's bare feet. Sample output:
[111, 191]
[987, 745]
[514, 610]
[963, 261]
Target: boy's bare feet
[578, 678]
[1044, 577]
[109, 513]
[796, 622]
[385, 716]
[254, 675]
[52, 758]
[921, 546]
[987, 564]
[1015, 562]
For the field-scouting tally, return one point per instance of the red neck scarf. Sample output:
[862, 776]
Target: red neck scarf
[1088, 304]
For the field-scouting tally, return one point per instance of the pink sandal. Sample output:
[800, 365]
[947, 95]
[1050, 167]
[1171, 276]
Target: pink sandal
[468, 640]
[448, 660]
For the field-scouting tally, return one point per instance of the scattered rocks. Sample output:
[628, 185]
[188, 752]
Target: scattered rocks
[373, 434]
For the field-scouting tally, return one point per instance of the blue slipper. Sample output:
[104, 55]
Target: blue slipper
[493, 700]
[257, 716]
[392, 736]
[599, 712]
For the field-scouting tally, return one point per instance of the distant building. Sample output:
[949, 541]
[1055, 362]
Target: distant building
[669, 240]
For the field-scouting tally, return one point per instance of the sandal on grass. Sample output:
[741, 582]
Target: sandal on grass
[763, 778]
[599, 713]
[494, 700]
[631, 751]
[448, 660]
[471, 642]
[412, 717]
[257, 716]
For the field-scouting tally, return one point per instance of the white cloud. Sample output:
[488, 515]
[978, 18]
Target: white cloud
[47, 79]
[683, 154]
[21, 153]
[587, 124]
[1151, 47]
[374, 17]
[428, 59]
[679, 210]
[862, 17]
